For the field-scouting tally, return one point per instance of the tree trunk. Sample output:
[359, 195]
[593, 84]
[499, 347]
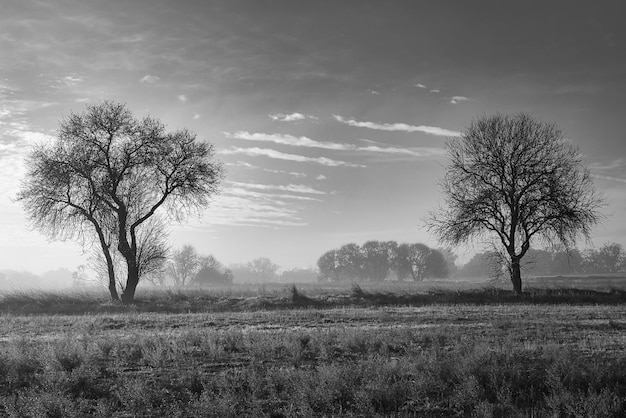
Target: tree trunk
[129, 252]
[107, 255]
[516, 275]
[128, 296]
[112, 287]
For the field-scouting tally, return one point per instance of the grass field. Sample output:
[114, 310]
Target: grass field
[453, 350]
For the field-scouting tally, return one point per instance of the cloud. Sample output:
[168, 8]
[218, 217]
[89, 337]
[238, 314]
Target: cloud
[290, 117]
[619, 163]
[242, 164]
[270, 153]
[269, 170]
[182, 98]
[6, 91]
[416, 152]
[149, 79]
[458, 99]
[614, 170]
[293, 188]
[17, 137]
[434, 91]
[374, 92]
[235, 207]
[403, 127]
[69, 81]
[321, 177]
[301, 141]
[270, 196]
[196, 116]
[291, 173]
[419, 85]
[304, 141]
[609, 178]
[262, 205]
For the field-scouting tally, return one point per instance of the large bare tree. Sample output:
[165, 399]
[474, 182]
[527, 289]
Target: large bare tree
[128, 169]
[517, 179]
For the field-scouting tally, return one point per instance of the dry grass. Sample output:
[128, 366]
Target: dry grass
[316, 351]
[437, 360]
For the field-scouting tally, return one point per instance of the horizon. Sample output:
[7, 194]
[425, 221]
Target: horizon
[330, 118]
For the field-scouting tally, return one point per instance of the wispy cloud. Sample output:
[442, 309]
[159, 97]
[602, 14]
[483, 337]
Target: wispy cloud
[183, 98]
[458, 99]
[242, 164]
[270, 196]
[419, 85]
[291, 117]
[269, 170]
[301, 141]
[403, 127]
[374, 92]
[293, 188]
[196, 116]
[617, 164]
[16, 139]
[149, 79]
[614, 170]
[609, 178]
[435, 91]
[262, 205]
[237, 208]
[416, 152]
[321, 177]
[270, 153]
[304, 141]
[67, 82]
[290, 173]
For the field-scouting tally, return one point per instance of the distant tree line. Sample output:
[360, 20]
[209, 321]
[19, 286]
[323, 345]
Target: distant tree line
[376, 261]
[610, 258]
[186, 267]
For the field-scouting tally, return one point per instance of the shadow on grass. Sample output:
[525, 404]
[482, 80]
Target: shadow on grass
[198, 300]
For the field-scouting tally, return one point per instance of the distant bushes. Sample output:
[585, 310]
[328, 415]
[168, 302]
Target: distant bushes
[377, 261]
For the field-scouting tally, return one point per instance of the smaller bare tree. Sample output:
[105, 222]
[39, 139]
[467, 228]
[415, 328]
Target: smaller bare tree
[184, 265]
[152, 253]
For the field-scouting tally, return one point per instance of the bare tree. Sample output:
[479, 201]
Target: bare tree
[184, 265]
[152, 248]
[128, 169]
[263, 269]
[518, 179]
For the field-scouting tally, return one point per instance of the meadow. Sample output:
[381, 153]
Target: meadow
[432, 349]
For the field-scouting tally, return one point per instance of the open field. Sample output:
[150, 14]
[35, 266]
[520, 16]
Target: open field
[319, 352]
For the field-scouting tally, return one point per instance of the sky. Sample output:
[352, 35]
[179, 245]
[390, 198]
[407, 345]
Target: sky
[330, 117]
